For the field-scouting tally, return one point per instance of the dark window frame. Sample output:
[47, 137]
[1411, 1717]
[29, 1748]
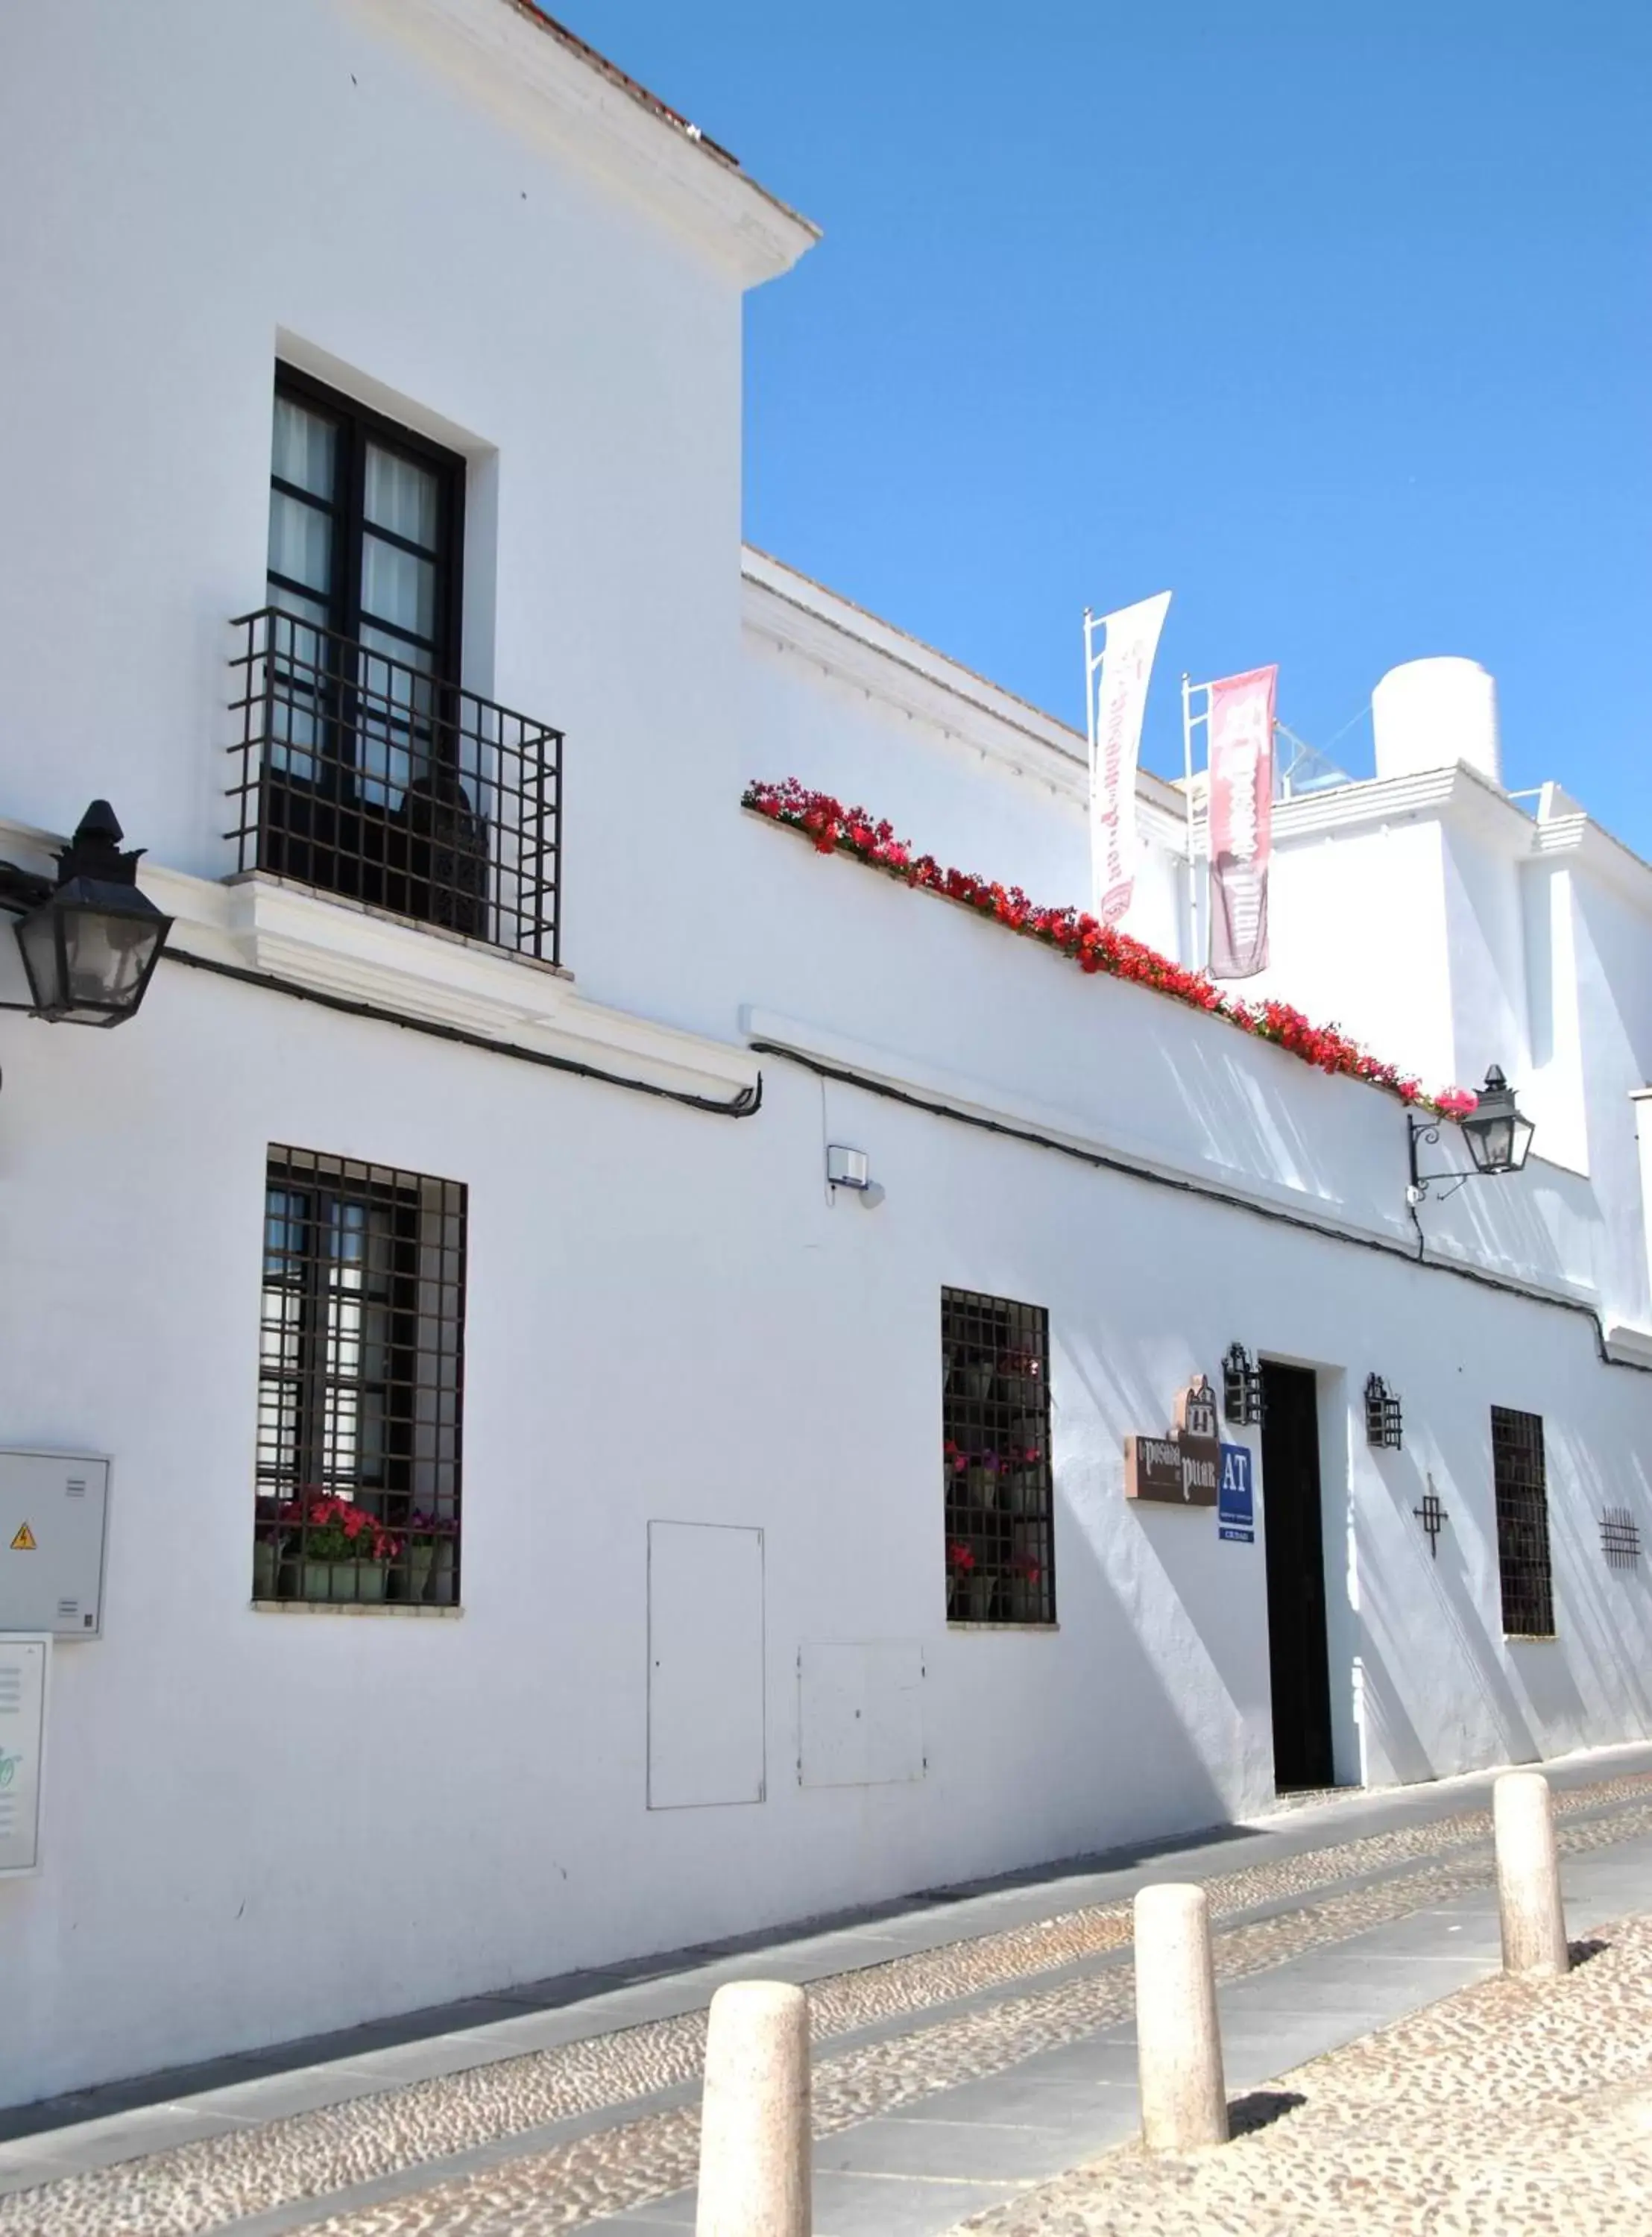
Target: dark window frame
[357, 425]
[363, 786]
[1519, 1476]
[998, 1485]
[360, 1381]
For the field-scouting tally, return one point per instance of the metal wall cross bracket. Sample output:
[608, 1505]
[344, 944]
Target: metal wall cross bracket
[1620, 1538]
[1433, 1518]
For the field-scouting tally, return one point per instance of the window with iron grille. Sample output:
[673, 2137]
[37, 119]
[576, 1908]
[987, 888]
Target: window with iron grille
[1523, 1524]
[995, 1457]
[363, 767]
[359, 793]
[360, 1383]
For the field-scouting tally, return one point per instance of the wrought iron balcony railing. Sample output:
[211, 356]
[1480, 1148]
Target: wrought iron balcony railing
[358, 774]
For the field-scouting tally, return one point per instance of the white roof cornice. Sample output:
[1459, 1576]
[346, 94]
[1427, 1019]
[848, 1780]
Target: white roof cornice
[1458, 791]
[1462, 795]
[1598, 854]
[801, 616]
[538, 75]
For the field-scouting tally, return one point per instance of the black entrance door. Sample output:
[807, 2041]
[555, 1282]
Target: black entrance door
[1296, 1641]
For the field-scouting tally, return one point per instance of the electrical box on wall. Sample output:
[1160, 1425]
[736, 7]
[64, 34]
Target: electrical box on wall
[54, 1508]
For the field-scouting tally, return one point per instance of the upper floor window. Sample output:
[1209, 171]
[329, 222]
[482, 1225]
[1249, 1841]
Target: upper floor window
[1523, 1524]
[994, 1460]
[377, 774]
[366, 524]
[363, 767]
[360, 1383]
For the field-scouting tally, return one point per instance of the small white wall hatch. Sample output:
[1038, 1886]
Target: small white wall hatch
[54, 1509]
[860, 1714]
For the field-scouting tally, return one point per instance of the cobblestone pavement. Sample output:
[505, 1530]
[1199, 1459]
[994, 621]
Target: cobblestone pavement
[1510, 2107]
[467, 2152]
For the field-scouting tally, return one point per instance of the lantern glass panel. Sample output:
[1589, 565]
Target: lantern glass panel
[106, 958]
[1491, 1142]
[37, 938]
[88, 953]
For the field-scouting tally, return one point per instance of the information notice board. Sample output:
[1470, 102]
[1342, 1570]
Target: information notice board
[23, 1664]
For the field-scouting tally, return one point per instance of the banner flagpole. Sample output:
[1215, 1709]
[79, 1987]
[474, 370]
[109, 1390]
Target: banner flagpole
[1193, 869]
[1090, 731]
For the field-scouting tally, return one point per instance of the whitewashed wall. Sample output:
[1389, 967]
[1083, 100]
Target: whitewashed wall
[374, 192]
[262, 1825]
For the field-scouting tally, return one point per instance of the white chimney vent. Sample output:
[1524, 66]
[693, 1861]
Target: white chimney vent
[1431, 714]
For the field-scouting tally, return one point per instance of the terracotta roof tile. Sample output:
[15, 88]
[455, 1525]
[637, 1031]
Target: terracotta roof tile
[616, 77]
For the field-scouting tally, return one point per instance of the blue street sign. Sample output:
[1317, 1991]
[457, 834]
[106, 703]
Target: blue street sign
[1235, 1506]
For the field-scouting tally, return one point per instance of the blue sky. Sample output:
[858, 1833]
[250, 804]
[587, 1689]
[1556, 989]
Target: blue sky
[1332, 318]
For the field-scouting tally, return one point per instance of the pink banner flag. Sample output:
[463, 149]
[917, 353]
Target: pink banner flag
[1241, 820]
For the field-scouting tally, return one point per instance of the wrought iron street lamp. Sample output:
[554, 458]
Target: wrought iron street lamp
[90, 940]
[1497, 1134]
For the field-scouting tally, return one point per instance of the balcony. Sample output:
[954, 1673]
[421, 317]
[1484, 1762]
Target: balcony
[358, 774]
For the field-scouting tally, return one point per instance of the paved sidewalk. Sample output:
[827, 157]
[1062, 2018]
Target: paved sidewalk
[1511, 2105]
[967, 2048]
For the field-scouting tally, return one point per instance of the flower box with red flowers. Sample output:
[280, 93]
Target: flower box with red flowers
[832, 829]
[329, 1548]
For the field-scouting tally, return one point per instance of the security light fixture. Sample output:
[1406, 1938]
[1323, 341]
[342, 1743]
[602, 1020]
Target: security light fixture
[1497, 1134]
[91, 940]
[1241, 1388]
[1384, 1426]
[851, 1169]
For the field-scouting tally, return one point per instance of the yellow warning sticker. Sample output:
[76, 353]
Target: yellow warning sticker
[24, 1541]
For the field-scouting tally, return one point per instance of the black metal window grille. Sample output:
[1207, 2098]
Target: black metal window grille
[995, 1456]
[360, 1391]
[355, 774]
[1620, 1538]
[1523, 1524]
[362, 766]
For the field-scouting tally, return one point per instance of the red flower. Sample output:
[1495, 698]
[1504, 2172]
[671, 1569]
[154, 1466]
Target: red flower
[959, 1556]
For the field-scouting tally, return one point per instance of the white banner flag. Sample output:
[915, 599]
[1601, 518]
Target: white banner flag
[1116, 685]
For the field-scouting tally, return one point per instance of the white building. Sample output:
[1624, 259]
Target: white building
[446, 1093]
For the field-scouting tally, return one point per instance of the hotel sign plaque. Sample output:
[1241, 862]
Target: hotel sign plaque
[1183, 1468]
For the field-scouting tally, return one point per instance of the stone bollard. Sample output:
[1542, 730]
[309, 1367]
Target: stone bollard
[754, 2122]
[1533, 1919]
[1184, 2105]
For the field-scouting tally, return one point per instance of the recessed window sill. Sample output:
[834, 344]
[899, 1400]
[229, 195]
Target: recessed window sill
[415, 1608]
[1037, 1630]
